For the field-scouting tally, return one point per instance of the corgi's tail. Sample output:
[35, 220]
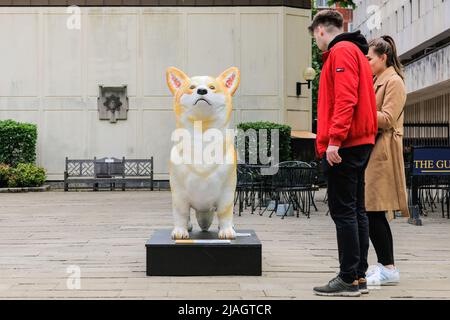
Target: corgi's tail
[204, 219]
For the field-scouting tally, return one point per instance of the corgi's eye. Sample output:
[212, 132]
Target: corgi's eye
[192, 87]
[212, 87]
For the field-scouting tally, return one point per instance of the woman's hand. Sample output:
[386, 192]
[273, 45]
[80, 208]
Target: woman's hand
[333, 155]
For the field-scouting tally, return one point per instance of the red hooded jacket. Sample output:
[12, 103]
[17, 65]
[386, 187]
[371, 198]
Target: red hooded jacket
[346, 110]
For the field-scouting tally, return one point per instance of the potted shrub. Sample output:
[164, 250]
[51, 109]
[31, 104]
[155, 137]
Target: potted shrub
[26, 175]
[4, 174]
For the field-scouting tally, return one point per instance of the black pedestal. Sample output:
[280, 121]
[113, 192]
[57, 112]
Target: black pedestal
[241, 256]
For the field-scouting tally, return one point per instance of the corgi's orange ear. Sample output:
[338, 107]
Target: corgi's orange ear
[175, 79]
[231, 78]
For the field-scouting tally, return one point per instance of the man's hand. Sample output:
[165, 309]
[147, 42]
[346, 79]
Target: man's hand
[333, 155]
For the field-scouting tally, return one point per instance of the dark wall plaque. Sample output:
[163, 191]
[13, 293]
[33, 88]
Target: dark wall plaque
[112, 103]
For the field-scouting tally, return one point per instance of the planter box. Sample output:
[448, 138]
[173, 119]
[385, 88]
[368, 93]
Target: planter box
[25, 189]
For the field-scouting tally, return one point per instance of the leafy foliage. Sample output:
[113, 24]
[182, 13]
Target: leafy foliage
[17, 142]
[343, 3]
[26, 175]
[284, 139]
[4, 174]
[317, 65]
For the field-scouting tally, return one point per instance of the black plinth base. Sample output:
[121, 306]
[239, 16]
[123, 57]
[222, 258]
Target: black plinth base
[240, 257]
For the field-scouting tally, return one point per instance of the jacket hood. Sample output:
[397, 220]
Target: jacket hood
[354, 37]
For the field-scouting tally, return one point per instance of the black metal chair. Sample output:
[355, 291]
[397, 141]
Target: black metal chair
[294, 186]
[251, 187]
[294, 183]
[242, 185]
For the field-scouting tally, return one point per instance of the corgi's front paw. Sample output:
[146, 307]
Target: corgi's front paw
[180, 233]
[227, 233]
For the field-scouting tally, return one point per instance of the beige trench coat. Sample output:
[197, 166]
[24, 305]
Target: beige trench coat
[385, 174]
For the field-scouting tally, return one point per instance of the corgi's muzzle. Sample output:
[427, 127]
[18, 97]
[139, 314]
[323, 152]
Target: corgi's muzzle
[202, 99]
[202, 92]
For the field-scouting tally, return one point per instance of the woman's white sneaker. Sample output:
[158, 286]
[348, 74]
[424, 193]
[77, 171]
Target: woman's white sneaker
[373, 276]
[389, 277]
[382, 276]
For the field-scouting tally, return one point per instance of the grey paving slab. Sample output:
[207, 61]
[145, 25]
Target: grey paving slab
[104, 234]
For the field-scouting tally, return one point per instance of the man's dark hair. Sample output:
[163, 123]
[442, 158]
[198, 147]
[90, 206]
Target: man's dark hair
[327, 18]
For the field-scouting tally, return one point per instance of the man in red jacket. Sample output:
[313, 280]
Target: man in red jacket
[347, 126]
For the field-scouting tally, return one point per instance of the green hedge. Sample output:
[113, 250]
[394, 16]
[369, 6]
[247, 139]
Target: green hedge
[4, 174]
[17, 142]
[24, 175]
[284, 138]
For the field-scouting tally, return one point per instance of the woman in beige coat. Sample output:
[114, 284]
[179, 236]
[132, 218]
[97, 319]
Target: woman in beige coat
[385, 190]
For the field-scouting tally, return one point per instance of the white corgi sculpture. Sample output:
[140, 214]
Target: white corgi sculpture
[203, 106]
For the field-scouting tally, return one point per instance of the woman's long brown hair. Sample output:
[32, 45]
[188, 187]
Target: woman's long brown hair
[386, 45]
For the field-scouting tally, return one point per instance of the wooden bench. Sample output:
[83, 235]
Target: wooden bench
[112, 171]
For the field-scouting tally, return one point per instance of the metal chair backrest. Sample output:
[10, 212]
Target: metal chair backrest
[294, 177]
[293, 164]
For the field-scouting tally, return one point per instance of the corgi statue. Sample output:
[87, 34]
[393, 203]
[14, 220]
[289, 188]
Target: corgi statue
[203, 106]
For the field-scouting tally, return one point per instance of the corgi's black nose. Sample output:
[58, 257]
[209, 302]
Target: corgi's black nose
[202, 91]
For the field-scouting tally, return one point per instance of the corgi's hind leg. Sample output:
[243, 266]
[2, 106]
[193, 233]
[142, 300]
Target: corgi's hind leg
[181, 217]
[204, 219]
[225, 215]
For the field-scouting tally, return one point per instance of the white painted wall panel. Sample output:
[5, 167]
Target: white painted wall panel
[156, 138]
[63, 134]
[112, 51]
[63, 58]
[210, 40]
[19, 52]
[260, 53]
[163, 42]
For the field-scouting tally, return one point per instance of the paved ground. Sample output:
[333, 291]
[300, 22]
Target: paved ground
[103, 233]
